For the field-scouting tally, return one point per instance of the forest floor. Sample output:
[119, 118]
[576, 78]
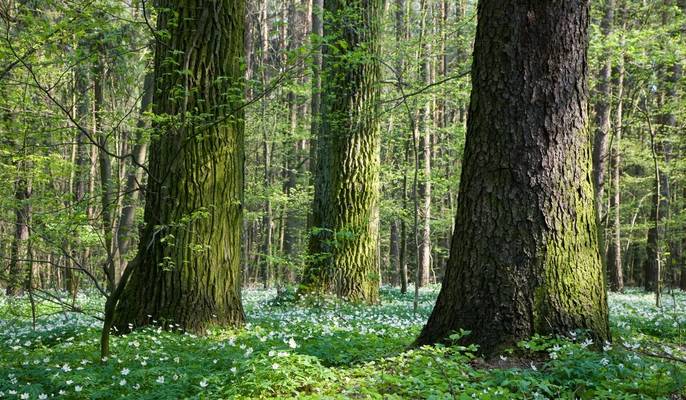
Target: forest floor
[322, 348]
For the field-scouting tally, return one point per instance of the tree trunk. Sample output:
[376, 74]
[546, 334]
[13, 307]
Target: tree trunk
[614, 254]
[314, 218]
[19, 249]
[394, 253]
[424, 250]
[266, 265]
[524, 258]
[187, 267]
[126, 230]
[345, 207]
[602, 110]
[403, 230]
[105, 169]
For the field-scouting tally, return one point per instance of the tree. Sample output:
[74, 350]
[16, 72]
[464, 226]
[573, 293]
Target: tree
[424, 238]
[187, 267]
[345, 207]
[603, 111]
[614, 251]
[524, 256]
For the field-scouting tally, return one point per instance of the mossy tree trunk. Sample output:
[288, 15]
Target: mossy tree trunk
[187, 268]
[344, 243]
[524, 257]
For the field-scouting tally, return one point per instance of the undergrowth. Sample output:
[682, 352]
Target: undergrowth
[322, 348]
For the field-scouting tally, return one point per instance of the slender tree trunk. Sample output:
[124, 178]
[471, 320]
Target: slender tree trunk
[403, 229]
[105, 169]
[602, 110]
[267, 239]
[293, 160]
[314, 219]
[394, 253]
[653, 263]
[400, 38]
[614, 255]
[187, 267]
[525, 256]
[424, 250]
[19, 270]
[126, 231]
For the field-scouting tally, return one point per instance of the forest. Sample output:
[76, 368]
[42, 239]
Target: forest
[343, 199]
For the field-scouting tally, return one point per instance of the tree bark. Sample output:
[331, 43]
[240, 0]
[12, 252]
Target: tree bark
[187, 268]
[524, 256]
[105, 169]
[345, 207]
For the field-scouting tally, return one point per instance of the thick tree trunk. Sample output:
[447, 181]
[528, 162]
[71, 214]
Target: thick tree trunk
[345, 207]
[524, 256]
[187, 268]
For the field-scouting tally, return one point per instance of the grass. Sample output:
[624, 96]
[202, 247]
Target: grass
[322, 348]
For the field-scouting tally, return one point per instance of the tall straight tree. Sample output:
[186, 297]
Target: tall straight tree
[524, 257]
[603, 110]
[187, 267]
[345, 207]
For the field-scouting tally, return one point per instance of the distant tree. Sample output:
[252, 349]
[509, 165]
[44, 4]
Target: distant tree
[524, 256]
[345, 208]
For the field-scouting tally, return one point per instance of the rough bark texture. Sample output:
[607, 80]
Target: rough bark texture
[187, 268]
[345, 208]
[524, 256]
